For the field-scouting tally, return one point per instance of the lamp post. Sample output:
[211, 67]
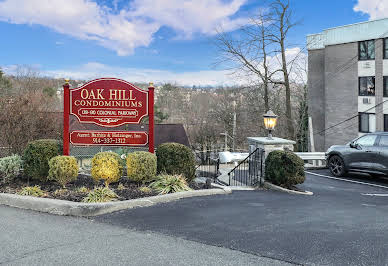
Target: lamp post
[270, 120]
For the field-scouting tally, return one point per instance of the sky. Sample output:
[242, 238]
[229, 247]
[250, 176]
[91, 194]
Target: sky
[148, 40]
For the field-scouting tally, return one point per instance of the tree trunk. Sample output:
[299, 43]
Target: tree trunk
[290, 126]
[266, 101]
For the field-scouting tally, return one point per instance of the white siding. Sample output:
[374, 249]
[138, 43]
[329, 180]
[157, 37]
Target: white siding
[368, 30]
[366, 68]
[363, 107]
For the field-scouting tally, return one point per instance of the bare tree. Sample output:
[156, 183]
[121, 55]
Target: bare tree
[28, 116]
[259, 50]
[251, 53]
[282, 23]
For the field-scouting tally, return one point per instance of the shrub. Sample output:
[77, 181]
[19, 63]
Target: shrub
[37, 155]
[34, 191]
[141, 166]
[61, 192]
[82, 189]
[165, 184]
[100, 194]
[284, 168]
[63, 169]
[121, 187]
[106, 166]
[176, 159]
[10, 167]
[145, 190]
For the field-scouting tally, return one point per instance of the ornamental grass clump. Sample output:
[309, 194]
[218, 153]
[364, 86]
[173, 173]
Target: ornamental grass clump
[165, 184]
[145, 189]
[106, 166]
[63, 169]
[37, 155]
[176, 159]
[100, 194]
[34, 191]
[82, 189]
[141, 166]
[284, 168]
[10, 167]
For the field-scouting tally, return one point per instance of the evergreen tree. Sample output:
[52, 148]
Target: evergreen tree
[302, 134]
[5, 84]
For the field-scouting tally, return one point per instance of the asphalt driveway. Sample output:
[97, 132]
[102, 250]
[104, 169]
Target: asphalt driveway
[342, 224]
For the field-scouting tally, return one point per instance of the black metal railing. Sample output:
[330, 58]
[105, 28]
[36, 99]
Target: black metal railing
[208, 164]
[250, 171]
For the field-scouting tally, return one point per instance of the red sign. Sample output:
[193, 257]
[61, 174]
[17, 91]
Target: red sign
[109, 102]
[109, 138]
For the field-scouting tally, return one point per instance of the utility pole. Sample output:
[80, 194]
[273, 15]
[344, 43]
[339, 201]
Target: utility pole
[234, 124]
[226, 141]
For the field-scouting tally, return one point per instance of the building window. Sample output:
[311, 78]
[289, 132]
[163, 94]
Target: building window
[385, 123]
[385, 52]
[385, 88]
[366, 122]
[366, 86]
[366, 50]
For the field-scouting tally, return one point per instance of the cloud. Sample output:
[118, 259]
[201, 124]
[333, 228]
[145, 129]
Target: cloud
[94, 70]
[190, 16]
[297, 67]
[128, 28]
[82, 19]
[295, 56]
[374, 8]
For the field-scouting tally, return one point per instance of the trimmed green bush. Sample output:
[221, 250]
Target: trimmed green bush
[141, 166]
[37, 155]
[10, 167]
[284, 168]
[165, 184]
[176, 159]
[100, 194]
[107, 166]
[63, 169]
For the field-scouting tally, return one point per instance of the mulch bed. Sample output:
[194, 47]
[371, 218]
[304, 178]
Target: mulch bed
[127, 190]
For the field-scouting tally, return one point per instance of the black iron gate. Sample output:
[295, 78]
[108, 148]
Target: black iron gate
[250, 171]
[208, 164]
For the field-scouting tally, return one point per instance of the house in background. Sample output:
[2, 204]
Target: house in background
[348, 82]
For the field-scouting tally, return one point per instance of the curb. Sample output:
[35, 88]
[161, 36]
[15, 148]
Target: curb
[64, 207]
[281, 189]
[237, 188]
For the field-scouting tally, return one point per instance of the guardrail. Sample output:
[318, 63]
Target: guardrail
[314, 159]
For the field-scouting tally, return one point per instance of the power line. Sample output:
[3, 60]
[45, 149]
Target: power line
[350, 118]
[354, 123]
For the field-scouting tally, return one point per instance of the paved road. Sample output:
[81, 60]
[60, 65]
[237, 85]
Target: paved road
[29, 238]
[340, 225]
[337, 226]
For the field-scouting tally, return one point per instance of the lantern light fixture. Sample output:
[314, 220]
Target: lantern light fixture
[270, 120]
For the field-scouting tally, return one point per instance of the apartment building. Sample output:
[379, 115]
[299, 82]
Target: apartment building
[348, 82]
